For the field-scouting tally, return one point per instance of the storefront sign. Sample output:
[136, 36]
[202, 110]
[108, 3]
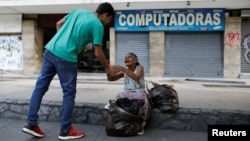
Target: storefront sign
[170, 20]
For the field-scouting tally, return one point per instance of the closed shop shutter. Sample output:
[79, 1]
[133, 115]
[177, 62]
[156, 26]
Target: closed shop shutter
[194, 54]
[245, 47]
[133, 42]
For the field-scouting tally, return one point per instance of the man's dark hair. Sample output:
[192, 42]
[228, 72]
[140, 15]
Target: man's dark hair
[105, 8]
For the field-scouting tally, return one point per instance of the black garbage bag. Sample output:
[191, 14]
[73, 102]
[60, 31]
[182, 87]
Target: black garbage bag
[132, 106]
[122, 123]
[164, 98]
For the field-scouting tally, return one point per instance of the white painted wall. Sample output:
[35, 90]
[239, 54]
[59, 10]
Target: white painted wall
[10, 23]
[63, 6]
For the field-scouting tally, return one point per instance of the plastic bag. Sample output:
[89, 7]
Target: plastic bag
[122, 123]
[164, 98]
[132, 106]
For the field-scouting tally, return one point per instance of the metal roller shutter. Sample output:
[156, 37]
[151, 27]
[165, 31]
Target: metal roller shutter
[133, 42]
[245, 47]
[194, 54]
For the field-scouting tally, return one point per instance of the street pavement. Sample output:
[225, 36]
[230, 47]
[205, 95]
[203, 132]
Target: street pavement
[10, 130]
[211, 93]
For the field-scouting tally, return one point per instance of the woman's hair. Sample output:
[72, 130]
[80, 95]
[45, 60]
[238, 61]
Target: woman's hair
[136, 58]
[105, 8]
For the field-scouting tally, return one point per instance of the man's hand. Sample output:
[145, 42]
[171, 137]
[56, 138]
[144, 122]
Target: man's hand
[116, 73]
[109, 70]
[115, 68]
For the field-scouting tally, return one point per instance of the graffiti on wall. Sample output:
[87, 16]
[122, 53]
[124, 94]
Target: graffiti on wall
[233, 39]
[246, 46]
[11, 54]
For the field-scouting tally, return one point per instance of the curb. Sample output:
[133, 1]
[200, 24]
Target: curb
[185, 119]
[229, 85]
[217, 81]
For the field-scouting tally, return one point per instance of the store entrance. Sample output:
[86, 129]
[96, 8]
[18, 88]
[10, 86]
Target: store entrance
[87, 62]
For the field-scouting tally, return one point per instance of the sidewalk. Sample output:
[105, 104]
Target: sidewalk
[202, 101]
[10, 130]
[211, 93]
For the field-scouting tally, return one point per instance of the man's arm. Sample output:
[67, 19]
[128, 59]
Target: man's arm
[59, 23]
[117, 74]
[102, 59]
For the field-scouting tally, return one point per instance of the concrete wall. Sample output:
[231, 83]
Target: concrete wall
[112, 46]
[232, 47]
[157, 53]
[10, 23]
[32, 47]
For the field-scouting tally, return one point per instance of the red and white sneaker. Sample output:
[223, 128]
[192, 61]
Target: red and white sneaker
[33, 130]
[71, 134]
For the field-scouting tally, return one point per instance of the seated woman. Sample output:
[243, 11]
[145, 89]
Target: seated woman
[134, 84]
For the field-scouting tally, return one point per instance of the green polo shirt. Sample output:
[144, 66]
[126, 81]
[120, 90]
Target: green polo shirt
[80, 28]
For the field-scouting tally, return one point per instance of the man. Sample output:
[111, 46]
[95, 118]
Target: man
[75, 31]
